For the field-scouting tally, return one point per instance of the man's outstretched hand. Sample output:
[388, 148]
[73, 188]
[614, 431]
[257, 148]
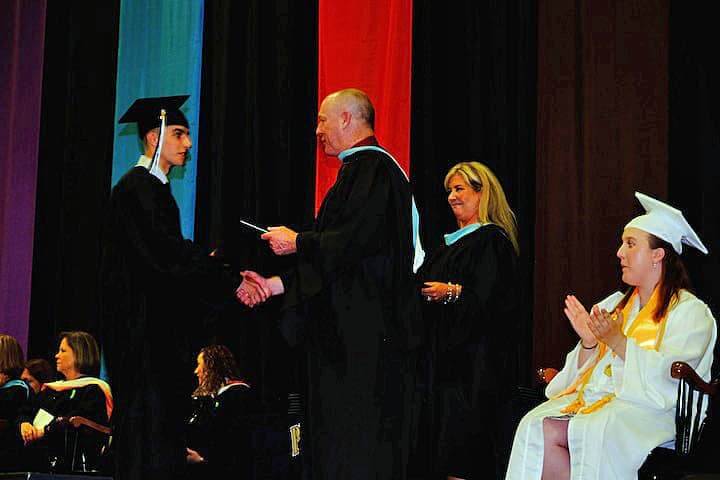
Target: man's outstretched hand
[256, 289]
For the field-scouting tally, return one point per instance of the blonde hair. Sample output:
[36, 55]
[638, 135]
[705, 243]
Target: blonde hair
[493, 206]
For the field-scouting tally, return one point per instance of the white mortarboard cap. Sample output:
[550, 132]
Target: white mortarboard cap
[667, 223]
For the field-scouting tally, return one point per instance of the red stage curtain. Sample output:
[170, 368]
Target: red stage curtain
[367, 44]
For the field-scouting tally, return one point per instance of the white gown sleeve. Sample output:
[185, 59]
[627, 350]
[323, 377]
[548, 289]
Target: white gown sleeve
[570, 371]
[644, 376]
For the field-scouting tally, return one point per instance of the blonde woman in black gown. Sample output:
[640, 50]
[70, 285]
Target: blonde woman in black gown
[470, 288]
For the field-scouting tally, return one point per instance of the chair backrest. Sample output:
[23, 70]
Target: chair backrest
[85, 444]
[694, 410]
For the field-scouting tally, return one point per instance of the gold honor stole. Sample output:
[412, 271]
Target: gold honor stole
[647, 334]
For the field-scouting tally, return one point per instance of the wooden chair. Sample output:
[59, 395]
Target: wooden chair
[695, 454]
[86, 445]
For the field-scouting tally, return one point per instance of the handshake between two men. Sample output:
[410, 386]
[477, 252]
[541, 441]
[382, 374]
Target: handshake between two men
[256, 289]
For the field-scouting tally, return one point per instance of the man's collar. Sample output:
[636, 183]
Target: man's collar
[155, 171]
[371, 140]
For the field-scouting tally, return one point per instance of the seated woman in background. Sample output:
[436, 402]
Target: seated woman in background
[614, 400]
[80, 394]
[470, 287]
[218, 435]
[37, 373]
[14, 395]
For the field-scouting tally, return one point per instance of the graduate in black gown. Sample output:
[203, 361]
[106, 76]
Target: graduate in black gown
[80, 394]
[14, 396]
[153, 284]
[353, 290]
[219, 436]
[470, 288]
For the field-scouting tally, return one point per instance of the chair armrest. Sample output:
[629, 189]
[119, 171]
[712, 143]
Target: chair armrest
[78, 421]
[683, 371]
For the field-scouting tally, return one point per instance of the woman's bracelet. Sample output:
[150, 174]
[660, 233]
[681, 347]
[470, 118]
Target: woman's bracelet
[588, 348]
[452, 294]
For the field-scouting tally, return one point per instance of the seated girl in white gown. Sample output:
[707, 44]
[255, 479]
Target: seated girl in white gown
[614, 400]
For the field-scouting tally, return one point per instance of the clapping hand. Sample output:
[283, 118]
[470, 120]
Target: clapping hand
[579, 319]
[607, 328]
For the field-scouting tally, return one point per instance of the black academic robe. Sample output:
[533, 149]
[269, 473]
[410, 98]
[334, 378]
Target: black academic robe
[154, 283]
[12, 400]
[88, 402]
[354, 292]
[220, 431]
[470, 367]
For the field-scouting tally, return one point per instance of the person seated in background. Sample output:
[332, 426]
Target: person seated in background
[614, 400]
[14, 395]
[37, 372]
[219, 439]
[80, 394]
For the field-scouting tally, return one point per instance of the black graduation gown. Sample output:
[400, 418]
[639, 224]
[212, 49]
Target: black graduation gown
[472, 370]
[353, 287]
[12, 400]
[88, 402]
[220, 431]
[153, 283]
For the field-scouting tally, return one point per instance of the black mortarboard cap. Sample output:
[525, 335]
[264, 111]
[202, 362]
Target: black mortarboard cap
[146, 113]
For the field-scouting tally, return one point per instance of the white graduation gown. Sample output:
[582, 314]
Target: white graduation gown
[613, 442]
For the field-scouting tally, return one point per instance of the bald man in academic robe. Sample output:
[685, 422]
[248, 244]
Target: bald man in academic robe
[352, 293]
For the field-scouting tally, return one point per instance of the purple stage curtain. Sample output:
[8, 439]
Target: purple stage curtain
[22, 34]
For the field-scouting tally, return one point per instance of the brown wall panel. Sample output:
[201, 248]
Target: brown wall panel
[601, 135]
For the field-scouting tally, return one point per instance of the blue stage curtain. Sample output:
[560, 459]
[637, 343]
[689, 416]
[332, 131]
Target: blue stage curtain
[160, 54]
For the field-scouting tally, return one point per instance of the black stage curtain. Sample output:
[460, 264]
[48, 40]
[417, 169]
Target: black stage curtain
[482, 108]
[694, 137]
[257, 142]
[75, 162]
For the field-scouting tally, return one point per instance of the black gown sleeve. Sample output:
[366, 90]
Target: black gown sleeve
[12, 400]
[149, 219]
[485, 310]
[356, 215]
[29, 409]
[89, 403]
[229, 449]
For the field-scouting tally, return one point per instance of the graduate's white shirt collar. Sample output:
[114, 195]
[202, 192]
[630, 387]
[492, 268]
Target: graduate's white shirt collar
[156, 172]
